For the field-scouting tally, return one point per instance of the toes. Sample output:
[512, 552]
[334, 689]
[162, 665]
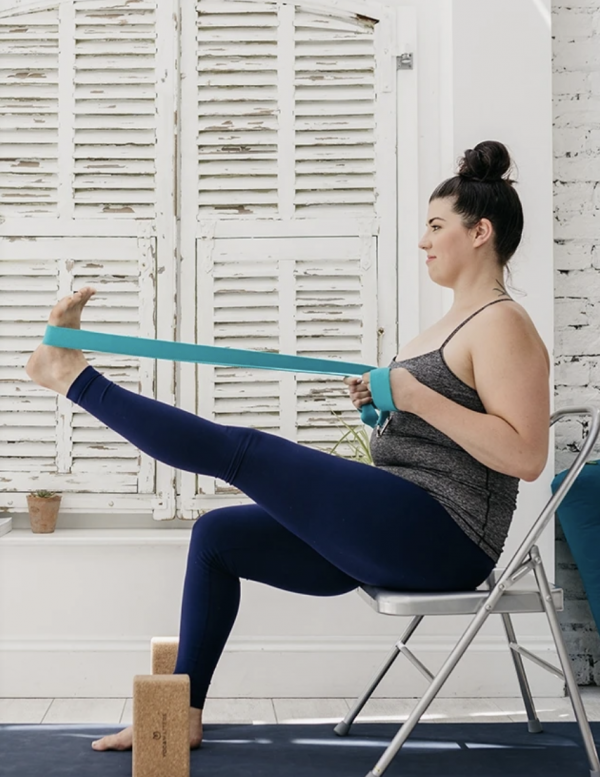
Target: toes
[86, 292]
[107, 743]
[67, 311]
[102, 744]
[82, 296]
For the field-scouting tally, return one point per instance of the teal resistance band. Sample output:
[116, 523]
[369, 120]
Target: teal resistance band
[81, 339]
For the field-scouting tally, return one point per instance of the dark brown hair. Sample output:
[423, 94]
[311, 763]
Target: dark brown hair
[482, 191]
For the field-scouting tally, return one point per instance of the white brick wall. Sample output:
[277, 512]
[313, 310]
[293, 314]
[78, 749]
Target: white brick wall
[576, 49]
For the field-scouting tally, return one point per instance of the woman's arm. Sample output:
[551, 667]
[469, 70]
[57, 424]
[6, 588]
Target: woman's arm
[511, 370]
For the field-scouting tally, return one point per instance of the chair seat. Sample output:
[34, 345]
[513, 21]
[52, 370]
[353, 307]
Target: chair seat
[516, 599]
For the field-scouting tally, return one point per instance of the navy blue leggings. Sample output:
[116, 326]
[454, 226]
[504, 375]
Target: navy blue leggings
[320, 525]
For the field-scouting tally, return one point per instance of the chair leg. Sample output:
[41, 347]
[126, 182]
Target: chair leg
[343, 727]
[533, 723]
[578, 708]
[431, 692]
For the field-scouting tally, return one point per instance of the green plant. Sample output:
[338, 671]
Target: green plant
[43, 494]
[357, 439]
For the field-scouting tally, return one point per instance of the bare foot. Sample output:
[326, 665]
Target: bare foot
[124, 739]
[57, 368]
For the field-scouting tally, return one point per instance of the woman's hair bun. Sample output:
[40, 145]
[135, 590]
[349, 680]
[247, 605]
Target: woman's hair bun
[488, 162]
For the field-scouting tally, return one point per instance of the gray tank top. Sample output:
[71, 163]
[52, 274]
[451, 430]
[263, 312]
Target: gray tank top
[481, 500]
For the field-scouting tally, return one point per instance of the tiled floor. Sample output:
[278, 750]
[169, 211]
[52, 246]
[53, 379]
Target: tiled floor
[119, 711]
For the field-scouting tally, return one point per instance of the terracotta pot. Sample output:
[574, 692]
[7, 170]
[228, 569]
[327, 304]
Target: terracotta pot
[43, 512]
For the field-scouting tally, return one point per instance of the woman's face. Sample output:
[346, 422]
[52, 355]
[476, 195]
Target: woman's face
[449, 246]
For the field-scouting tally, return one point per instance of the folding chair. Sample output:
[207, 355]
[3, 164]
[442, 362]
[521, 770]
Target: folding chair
[499, 594]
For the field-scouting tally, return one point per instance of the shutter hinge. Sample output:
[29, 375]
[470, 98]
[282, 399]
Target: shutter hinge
[404, 62]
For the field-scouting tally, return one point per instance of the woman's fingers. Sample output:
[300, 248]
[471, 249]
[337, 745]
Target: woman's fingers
[360, 398]
[359, 392]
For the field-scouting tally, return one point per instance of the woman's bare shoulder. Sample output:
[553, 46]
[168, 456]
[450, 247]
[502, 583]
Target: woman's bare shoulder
[510, 319]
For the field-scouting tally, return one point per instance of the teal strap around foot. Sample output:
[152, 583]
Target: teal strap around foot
[81, 339]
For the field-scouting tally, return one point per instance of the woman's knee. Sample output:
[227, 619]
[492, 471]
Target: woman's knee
[209, 528]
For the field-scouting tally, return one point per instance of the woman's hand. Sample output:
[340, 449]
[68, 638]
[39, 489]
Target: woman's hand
[359, 392]
[402, 382]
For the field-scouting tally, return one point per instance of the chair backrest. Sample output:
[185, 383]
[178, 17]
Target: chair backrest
[555, 500]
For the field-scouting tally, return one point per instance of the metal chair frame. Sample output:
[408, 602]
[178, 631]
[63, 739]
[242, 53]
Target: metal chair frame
[497, 595]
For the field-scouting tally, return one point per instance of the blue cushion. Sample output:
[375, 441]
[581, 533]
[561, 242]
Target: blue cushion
[579, 516]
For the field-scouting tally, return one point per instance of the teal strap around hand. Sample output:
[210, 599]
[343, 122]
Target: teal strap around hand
[381, 390]
[81, 339]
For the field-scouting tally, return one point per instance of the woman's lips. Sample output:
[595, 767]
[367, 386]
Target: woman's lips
[430, 259]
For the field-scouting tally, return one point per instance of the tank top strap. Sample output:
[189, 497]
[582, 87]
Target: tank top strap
[466, 321]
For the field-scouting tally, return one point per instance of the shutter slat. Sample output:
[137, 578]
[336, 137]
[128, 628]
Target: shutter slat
[34, 181]
[225, 124]
[14, 106]
[340, 138]
[117, 105]
[114, 122]
[210, 93]
[239, 109]
[348, 197]
[84, 154]
[111, 167]
[331, 63]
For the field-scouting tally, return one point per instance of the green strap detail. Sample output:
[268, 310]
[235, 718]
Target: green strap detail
[381, 390]
[84, 340]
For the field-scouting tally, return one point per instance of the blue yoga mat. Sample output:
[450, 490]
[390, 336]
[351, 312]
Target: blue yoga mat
[432, 750]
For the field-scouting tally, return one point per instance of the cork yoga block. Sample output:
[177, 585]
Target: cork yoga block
[164, 654]
[161, 726]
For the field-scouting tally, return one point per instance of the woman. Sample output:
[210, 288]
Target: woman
[473, 414]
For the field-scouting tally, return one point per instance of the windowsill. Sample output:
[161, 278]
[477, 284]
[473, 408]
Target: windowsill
[80, 521]
[136, 537]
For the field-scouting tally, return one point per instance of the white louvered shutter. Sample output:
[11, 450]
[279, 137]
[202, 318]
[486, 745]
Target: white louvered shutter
[81, 203]
[286, 111]
[29, 108]
[48, 442]
[115, 108]
[237, 109]
[335, 115]
[298, 295]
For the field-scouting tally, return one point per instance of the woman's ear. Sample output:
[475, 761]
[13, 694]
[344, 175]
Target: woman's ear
[483, 232]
